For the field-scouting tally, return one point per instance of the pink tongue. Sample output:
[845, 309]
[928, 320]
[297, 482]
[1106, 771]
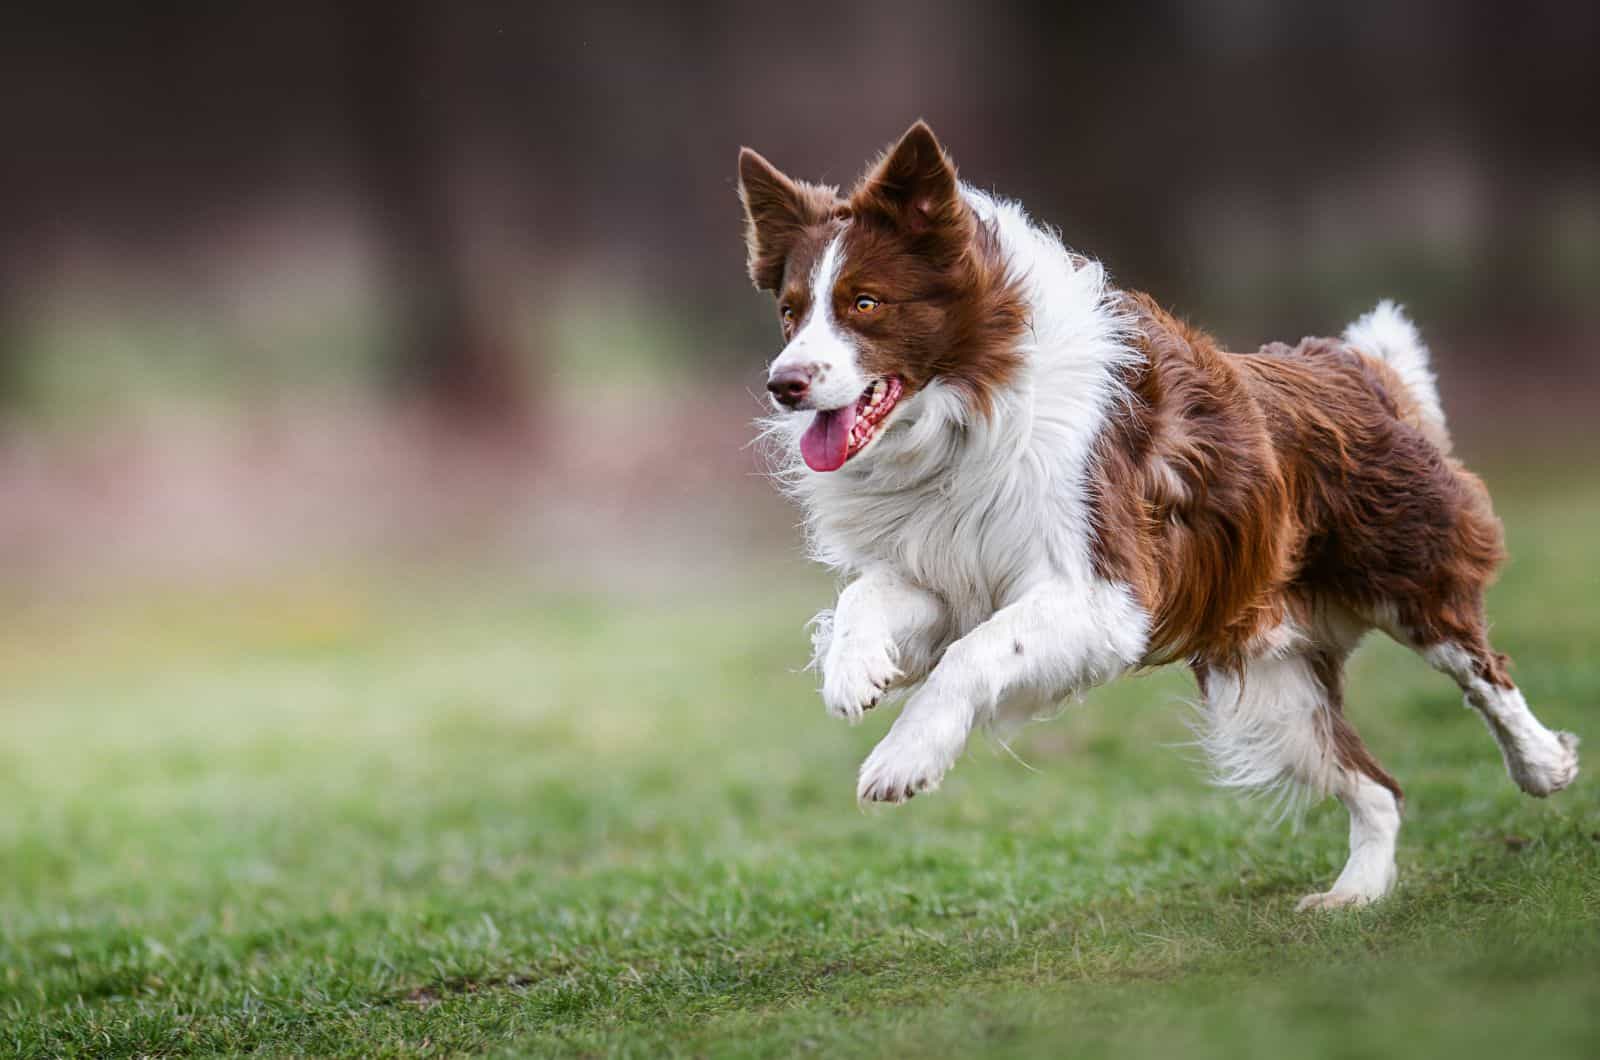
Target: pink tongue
[826, 442]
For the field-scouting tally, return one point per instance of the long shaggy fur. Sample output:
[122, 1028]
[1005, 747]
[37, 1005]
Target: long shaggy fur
[1076, 484]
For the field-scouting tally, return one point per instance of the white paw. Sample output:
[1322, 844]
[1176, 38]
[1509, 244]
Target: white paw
[890, 775]
[1363, 881]
[1548, 767]
[1335, 900]
[910, 760]
[855, 678]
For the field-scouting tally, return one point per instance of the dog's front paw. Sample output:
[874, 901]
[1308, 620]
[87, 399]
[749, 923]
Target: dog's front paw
[854, 679]
[907, 762]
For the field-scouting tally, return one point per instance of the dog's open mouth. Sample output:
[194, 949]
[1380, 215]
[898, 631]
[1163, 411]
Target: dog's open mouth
[835, 435]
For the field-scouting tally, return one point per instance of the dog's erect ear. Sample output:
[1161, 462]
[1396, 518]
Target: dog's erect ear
[915, 182]
[777, 211]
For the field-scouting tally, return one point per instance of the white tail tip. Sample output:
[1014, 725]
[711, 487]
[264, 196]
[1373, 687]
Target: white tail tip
[1388, 334]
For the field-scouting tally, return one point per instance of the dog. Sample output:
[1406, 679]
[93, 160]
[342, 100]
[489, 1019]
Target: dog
[1035, 482]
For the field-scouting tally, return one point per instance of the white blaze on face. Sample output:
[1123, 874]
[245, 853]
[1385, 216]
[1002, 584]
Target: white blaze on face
[820, 345]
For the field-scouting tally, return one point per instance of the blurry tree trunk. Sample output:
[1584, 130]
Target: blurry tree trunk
[449, 345]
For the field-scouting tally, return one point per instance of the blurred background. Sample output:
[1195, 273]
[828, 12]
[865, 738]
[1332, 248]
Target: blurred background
[413, 287]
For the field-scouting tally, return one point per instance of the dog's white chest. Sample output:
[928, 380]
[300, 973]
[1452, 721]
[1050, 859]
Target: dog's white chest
[978, 545]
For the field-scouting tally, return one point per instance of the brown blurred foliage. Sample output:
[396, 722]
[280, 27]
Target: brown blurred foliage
[1270, 167]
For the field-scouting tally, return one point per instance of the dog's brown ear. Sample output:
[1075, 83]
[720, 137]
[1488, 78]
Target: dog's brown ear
[915, 183]
[776, 211]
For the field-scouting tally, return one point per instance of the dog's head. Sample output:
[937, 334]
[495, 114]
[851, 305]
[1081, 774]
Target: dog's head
[880, 294]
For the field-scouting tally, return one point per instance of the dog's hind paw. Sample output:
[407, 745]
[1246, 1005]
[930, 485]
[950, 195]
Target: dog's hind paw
[1548, 766]
[1328, 900]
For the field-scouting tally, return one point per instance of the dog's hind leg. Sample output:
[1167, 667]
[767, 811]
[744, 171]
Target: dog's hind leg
[1278, 723]
[1540, 761]
[1437, 609]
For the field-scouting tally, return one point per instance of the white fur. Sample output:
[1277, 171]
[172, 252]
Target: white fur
[1268, 729]
[820, 347]
[1370, 872]
[1262, 729]
[1388, 334]
[884, 630]
[990, 515]
[1029, 654]
[1541, 762]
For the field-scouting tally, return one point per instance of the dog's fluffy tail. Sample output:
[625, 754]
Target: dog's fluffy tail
[1388, 334]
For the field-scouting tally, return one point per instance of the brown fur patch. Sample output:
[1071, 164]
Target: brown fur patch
[782, 216]
[1406, 407]
[1192, 508]
[956, 319]
[1234, 482]
[947, 308]
[1348, 748]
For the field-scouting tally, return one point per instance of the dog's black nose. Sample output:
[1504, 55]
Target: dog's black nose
[791, 385]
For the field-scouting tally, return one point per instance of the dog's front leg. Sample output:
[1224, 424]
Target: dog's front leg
[883, 631]
[1054, 641]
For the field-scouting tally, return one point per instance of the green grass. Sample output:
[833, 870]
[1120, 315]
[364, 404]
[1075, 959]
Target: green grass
[344, 820]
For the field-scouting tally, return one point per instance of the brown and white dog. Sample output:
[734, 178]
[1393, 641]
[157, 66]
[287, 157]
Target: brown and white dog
[1037, 482]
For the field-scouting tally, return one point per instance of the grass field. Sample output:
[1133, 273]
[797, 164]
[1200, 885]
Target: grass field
[338, 818]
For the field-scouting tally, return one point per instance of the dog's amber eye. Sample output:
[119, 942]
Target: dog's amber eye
[865, 303]
[787, 313]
